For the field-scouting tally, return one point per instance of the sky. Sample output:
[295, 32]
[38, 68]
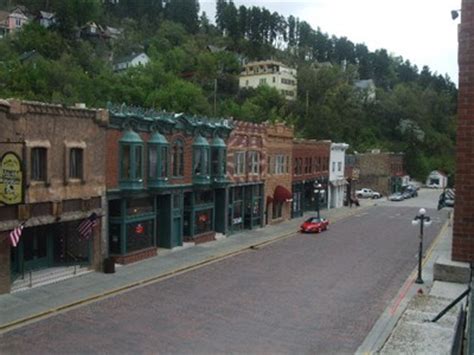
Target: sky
[421, 31]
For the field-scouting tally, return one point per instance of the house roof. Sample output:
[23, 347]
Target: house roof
[128, 58]
[216, 49]
[364, 84]
[47, 15]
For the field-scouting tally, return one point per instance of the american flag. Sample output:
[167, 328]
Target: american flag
[87, 225]
[15, 235]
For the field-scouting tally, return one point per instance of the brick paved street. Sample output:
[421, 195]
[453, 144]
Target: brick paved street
[305, 294]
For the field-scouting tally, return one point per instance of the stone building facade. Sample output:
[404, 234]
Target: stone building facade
[463, 229]
[380, 171]
[310, 175]
[62, 154]
[246, 166]
[278, 196]
[166, 181]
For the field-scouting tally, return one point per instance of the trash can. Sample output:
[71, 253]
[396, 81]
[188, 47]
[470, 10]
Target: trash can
[109, 265]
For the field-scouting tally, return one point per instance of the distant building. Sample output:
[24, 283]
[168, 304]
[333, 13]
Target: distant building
[381, 171]
[271, 73]
[12, 20]
[367, 89]
[436, 179]
[46, 19]
[337, 180]
[130, 61]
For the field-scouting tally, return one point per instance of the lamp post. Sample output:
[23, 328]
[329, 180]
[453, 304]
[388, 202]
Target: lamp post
[421, 219]
[317, 190]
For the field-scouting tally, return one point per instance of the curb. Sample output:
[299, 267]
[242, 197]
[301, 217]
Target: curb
[22, 321]
[396, 306]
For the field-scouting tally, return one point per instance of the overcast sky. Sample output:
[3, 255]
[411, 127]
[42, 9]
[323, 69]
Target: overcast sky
[421, 31]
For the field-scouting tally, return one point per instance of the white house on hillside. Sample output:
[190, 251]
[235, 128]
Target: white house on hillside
[132, 60]
[271, 73]
[337, 181]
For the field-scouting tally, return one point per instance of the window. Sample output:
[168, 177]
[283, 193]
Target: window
[138, 162]
[280, 164]
[274, 79]
[164, 162]
[333, 166]
[215, 162]
[339, 166]
[254, 162]
[239, 163]
[201, 161]
[178, 158]
[203, 221]
[38, 164]
[263, 81]
[152, 161]
[126, 162]
[76, 163]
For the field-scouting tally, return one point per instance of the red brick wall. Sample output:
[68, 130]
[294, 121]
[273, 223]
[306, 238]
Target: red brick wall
[246, 136]
[310, 149]
[463, 230]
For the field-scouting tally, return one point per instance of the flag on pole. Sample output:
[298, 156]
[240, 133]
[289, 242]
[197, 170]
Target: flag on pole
[15, 235]
[87, 225]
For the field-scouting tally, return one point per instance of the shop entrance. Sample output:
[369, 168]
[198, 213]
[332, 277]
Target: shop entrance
[37, 248]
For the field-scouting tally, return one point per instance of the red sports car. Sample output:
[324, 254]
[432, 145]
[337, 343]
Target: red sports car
[314, 224]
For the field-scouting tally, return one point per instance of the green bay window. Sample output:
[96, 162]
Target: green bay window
[131, 161]
[158, 150]
[218, 159]
[201, 154]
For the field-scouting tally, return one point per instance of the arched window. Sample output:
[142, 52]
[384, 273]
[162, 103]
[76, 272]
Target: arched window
[178, 158]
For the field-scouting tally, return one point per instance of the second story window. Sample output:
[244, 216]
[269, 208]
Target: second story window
[280, 166]
[76, 163]
[254, 162]
[38, 164]
[157, 159]
[178, 158]
[339, 166]
[333, 166]
[239, 163]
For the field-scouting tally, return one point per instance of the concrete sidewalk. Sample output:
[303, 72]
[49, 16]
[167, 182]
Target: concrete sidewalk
[405, 326]
[32, 304]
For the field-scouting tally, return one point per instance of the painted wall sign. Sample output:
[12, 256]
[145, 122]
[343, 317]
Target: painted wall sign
[11, 179]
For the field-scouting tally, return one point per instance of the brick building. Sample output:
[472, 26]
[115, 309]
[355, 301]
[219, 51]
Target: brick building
[310, 173]
[246, 166]
[61, 154]
[279, 144]
[380, 171]
[166, 181]
[463, 229]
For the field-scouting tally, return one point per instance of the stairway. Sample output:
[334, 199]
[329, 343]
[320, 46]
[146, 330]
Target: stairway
[47, 276]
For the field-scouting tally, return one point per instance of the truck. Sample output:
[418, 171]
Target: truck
[367, 193]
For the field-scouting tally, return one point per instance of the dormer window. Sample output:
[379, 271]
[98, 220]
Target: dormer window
[131, 161]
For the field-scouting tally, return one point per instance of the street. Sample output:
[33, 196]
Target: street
[309, 293]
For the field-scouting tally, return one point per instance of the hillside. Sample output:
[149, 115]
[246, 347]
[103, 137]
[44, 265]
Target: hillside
[414, 110]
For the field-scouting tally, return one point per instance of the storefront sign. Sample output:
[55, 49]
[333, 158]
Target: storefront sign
[11, 179]
[139, 229]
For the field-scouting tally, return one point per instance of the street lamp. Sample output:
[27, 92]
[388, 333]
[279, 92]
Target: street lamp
[317, 190]
[421, 219]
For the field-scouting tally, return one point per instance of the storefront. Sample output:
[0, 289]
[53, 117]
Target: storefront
[198, 221]
[52, 245]
[132, 227]
[245, 207]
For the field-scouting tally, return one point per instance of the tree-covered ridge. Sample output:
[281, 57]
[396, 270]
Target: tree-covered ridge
[414, 110]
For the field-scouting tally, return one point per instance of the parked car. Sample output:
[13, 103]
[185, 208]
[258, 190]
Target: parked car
[397, 196]
[446, 199]
[406, 195]
[314, 224]
[367, 193]
[411, 190]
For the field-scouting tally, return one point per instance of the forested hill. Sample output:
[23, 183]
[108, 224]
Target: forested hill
[414, 110]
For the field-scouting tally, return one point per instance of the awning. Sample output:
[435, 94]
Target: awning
[282, 194]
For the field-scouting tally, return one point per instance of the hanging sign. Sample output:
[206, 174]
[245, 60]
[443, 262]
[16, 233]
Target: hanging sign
[11, 179]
